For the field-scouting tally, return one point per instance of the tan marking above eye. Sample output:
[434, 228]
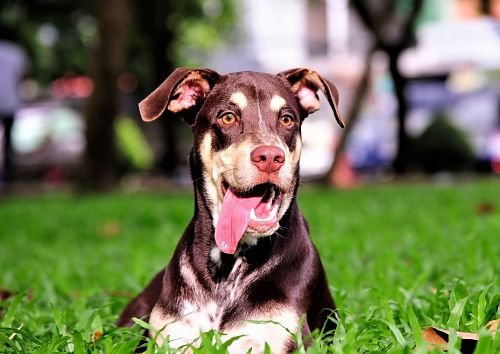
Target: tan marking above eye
[239, 99]
[277, 102]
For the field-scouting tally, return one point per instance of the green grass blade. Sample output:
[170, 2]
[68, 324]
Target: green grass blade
[456, 313]
[485, 343]
[453, 342]
[267, 349]
[6, 341]
[391, 323]
[8, 319]
[482, 307]
[230, 341]
[396, 332]
[22, 333]
[415, 328]
[78, 344]
[59, 320]
[144, 324]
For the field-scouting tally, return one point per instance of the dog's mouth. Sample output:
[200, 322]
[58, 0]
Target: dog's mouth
[254, 211]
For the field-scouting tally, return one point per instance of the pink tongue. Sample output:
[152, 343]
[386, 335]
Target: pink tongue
[233, 220]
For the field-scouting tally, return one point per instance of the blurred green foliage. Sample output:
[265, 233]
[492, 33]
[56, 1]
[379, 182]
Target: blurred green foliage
[199, 26]
[60, 36]
[132, 144]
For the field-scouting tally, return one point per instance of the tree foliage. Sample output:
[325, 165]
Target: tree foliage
[60, 35]
[66, 38]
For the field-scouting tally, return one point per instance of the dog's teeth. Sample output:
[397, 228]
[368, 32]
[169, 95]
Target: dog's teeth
[271, 216]
[254, 217]
[270, 201]
[271, 197]
[274, 211]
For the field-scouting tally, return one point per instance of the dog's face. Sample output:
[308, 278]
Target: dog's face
[247, 141]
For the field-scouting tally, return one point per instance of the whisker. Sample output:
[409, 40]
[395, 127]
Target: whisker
[280, 235]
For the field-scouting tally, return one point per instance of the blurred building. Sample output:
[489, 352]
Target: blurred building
[454, 70]
[324, 35]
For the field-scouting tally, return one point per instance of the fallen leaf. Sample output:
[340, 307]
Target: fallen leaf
[119, 293]
[438, 338]
[469, 340]
[485, 208]
[96, 336]
[109, 228]
[432, 337]
[492, 326]
[75, 294]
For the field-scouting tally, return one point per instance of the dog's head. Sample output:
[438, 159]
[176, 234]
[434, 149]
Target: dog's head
[247, 144]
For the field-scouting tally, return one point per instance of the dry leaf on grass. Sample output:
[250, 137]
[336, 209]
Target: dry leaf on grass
[438, 338]
[433, 337]
[110, 228]
[492, 326]
[119, 293]
[96, 336]
[485, 208]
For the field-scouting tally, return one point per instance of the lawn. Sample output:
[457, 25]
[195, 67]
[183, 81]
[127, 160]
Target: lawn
[399, 258]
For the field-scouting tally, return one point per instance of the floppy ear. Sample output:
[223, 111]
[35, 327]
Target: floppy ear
[305, 83]
[181, 93]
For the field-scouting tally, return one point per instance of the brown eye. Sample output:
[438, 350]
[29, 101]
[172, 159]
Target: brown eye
[228, 119]
[286, 121]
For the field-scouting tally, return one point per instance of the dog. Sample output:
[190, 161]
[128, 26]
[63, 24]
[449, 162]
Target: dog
[245, 265]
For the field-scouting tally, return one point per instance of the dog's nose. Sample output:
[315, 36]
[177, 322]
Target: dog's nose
[268, 158]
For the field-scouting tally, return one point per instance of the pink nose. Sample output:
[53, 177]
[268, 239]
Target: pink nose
[268, 158]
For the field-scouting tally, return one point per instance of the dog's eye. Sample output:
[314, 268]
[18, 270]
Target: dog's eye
[286, 121]
[228, 119]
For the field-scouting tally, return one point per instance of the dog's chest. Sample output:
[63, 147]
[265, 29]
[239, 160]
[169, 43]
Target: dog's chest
[225, 309]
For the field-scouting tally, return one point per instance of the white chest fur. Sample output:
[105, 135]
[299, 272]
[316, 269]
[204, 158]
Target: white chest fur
[271, 324]
[271, 327]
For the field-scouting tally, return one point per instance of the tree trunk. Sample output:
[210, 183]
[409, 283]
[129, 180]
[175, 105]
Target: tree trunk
[352, 117]
[154, 20]
[375, 23]
[103, 106]
[403, 154]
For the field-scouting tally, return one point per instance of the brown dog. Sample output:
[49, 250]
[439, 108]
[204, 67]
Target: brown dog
[246, 256]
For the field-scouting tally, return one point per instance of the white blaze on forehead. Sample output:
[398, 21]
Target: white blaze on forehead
[277, 102]
[239, 99]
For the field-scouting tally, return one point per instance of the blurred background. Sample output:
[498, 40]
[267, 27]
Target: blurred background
[419, 84]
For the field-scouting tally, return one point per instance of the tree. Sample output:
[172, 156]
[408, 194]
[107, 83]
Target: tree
[147, 38]
[159, 28]
[103, 107]
[179, 33]
[392, 25]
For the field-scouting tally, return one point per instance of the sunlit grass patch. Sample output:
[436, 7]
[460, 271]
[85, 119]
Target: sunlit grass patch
[399, 259]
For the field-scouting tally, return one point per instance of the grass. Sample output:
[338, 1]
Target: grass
[398, 259]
